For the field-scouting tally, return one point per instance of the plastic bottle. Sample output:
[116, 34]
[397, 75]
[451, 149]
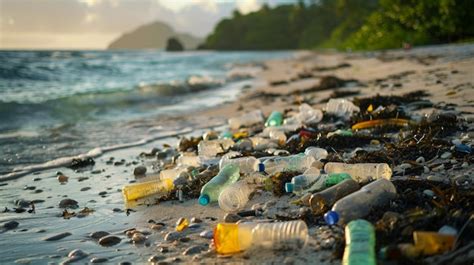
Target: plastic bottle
[235, 196]
[341, 107]
[322, 182]
[308, 115]
[298, 183]
[275, 119]
[363, 172]
[283, 128]
[214, 147]
[210, 191]
[360, 243]
[360, 203]
[173, 173]
[188, 160]
[299, 163]
[260, 143]
[246, 120]
[322, 201]
[233, 238]
[143, 189]
[246, 164]
[316, 152]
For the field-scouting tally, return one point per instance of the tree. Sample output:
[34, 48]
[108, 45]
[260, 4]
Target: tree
[173, 45]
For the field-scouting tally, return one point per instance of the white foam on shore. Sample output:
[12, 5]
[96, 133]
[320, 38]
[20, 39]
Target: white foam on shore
[96, 152]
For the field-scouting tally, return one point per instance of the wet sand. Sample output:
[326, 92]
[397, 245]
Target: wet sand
[448, 78]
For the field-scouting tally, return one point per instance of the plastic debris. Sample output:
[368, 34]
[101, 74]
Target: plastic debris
[211, 191]
[363, 172]
[360, 243]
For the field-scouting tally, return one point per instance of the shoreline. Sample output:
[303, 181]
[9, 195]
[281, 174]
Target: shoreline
[310, 78]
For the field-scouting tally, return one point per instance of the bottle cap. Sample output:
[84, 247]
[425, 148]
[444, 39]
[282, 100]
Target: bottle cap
[289, 187]
[261, 167]
[331, 217]
[204, 199]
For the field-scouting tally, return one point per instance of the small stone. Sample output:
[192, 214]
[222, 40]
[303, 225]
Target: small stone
[231, 218]
[193, 250]
[23, 203]
[138, 238]
[446, 155]
[85, 189]
[465, 165]
[172, 236]
[426, 169]
[196, 220]
[68, 203]
[99, 260]
[99, 234]
[109, 240]
[289, 261]
[435, 178]
[29, 188]
[163, 249]
[139, 171]
[185, 239]
[38, 191]
[429, 193]
[11, 225]
[102, 193]
[62, 179]
[194, 226]
[438, 168]
[155, 258]
[77, 253]
[156, 227]
[209, 234]
[420, 160]
[58, 236]
[117, 210]
[80, 179]
[36, 179]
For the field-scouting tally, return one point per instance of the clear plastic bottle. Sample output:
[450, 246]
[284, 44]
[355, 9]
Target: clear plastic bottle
[214, 147]
[300, 182]
[260, 143]
[322, 201]
[274, 119]
[360, 203]
[186, 159]
[278, 136]
[246, 119]
[233, 238]
[363, 172]
[322, 182]
[235, 196]
[341, 107]
[316, 152]
[140, 190]
[283, 128]
[299, 163]
[308, 115]
[360, 243]
[246, 164]
[210, 191]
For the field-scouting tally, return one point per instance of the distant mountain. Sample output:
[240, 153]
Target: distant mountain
[153, 36]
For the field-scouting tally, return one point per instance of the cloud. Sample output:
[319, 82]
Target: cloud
[247, 6]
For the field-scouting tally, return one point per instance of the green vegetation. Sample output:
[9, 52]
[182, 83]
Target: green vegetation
[344, 24]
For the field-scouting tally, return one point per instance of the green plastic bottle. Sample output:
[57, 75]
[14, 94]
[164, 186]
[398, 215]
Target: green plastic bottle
[322, 182]
[275, 119]
[227, 175]
[360, 243]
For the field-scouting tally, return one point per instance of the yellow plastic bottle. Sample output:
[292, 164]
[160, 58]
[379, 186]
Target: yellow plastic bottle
[139, 190]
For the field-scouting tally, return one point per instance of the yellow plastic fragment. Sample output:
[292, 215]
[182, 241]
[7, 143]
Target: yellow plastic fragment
[370, 108]
[380, 122]
[431, 243]
[182, 224]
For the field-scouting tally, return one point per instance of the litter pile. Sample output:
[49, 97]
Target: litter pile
[397, 183]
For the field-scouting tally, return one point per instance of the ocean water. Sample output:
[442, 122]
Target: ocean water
[63, 103]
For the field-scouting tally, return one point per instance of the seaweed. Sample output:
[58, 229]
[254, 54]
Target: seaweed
[378, 100]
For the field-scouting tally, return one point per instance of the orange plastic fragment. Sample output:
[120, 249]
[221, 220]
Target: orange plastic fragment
[381, 122]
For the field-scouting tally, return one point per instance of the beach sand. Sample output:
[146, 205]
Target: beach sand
[447, 76]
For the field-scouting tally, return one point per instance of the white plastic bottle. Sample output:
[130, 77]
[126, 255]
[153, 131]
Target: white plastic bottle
[299, 163]
[316, 152]
[246, 164]
[359, 204]
[214, 147]
[246, 119]
[363, 172]
[235, 196]
[341, 107]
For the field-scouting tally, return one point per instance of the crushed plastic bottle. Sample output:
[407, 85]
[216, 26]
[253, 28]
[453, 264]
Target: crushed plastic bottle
[322, 201]
[140, 190]
[298, 163]
[363, 172]
[341, 107]
[214, 147]
[210, 191]
[275, 119]
[234, 197]
[246, 119]
[322, 182]
[234, 238]
[360, 203]
[247, 164]
[308, 115]
[360, 243]
[316, 152]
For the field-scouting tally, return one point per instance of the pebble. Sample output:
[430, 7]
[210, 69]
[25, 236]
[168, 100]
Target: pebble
[435, 178]
[23, 203]
[109, 240]
[172, 236]
[85, 189]
[102, 193]
[68, 203]
[117, 210]
[465, 165]
[36, 179]
[438, 168]
[138, 238]
[429, 193]
[62, 179]
[139, 171]
[99, 234]
[289, 261]
[426, 169]
[193, 250]
[156, 227]
[446, 155]
[80, 179]
[209, 234]
[11, 225]
[76, 254]
[163, 249]
[196, 220]
[185, 239]
[99, 260]
[38, 191]
[155, 258]
[29, 188]
[58, 236]
[420, 160]
[231, 218]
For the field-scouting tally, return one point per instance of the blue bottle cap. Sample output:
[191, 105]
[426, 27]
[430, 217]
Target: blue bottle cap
[289, 187]
[331, 217]
[261, 167]
[204, 199]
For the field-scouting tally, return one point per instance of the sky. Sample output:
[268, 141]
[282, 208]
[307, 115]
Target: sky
[93, 24]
